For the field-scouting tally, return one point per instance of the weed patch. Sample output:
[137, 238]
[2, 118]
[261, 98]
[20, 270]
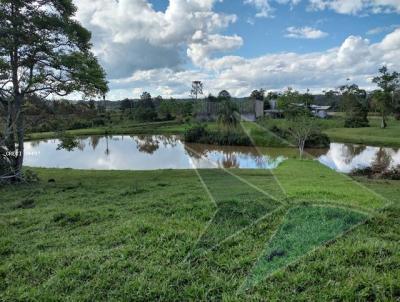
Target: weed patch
[27, 203]
[76, 218]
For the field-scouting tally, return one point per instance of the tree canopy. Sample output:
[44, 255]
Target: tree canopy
[385, 99]
[43, 51]
[354, 103]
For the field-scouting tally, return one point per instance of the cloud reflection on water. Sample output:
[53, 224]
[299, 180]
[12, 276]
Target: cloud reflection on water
[144, 153]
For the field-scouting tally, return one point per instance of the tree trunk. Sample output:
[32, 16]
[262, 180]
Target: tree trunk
[9, 143]
[301, 148]
[383, 123]
[20, 133]
[9, 140]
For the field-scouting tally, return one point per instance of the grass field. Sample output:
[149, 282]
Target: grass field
[373, 135]
[161, 235]
[261, 136]
[333, 127]
[133, 128]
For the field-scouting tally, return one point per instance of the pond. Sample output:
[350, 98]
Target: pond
[169, 152]
[348, 157]
[142, 153]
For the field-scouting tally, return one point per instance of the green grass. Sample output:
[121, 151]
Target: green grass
[237, 203]
[303, 229]
[170, 127]
[261, 136]
[313, 182]
[373, 135]
[120, 235]
[334, 128]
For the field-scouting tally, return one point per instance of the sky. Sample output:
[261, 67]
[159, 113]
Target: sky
[161, 46]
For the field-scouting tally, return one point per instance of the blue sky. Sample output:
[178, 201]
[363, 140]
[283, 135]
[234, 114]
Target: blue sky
[266, 35]
[160, 45]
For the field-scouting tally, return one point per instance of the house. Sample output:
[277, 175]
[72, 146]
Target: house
[249, 110]
[320, 111]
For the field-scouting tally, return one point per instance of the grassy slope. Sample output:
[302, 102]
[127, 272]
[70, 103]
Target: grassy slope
[119, 235]
[304, 228]
[373, 135]
[261, 136]
[125, 128]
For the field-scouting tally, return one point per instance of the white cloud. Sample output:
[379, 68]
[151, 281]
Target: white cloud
[263, 7]
[203, 46]
[381, 29]
[354, 7]
[356, 58]
[143, 49]
[130, 35]
[305, 33]
[292, 3]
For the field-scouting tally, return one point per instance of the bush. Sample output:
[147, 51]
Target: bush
[143, 114]
[199, 134]
[80, 124]
[30, 176]
[356, 122]
[226, 139]
[318, 140]
[194, 134]
[99, 122]
[391, 174]
[280, 132]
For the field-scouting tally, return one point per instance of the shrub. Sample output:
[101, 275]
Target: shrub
[356, 122]
[99, 122]
[280, 132]
[318, 139]
[393, 174]
[30, 176]
[194, 134]
[80, 124]
[199, 134]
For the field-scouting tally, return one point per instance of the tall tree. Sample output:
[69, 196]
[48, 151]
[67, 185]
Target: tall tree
[224, 95]
[197, 89]
[258, 95]
[43, 51]
[301, 126]
[228, 116]
[384, 99]
[288, 99]
[145, 96]
[355, 104]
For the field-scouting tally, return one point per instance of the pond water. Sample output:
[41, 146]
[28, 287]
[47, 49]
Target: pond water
[169, 152]
[142, 153]
[348, 157]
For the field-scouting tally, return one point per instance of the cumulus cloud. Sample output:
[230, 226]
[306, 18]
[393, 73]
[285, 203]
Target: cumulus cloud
[144, 49]
[263, 7]
[356, 58]
[381, 29]
[353, 7]
[305, 33]
[203, 46]
[130, 35]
